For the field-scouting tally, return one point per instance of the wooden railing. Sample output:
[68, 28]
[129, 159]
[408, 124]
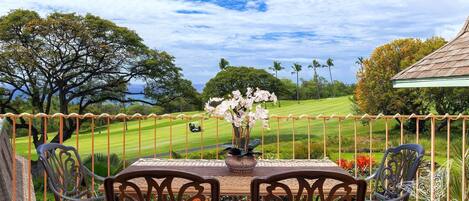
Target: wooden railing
[345, 128]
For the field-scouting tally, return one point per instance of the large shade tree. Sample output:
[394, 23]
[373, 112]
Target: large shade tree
[374, 92]
[239, 78]
[80, 61]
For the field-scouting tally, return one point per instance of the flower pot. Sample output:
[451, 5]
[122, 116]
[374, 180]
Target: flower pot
[240, 164]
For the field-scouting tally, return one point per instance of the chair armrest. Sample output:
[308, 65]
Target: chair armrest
[64, 197]
[91, 174]
[403, 197]
[369, 178]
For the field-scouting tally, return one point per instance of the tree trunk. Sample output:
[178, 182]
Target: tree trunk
[278, 101]
[332, 83]
[297, 89]
[318, 94]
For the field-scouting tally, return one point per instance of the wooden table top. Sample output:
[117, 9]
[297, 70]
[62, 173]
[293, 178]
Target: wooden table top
[232, 183]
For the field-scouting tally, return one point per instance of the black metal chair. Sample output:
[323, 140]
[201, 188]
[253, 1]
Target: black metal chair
[312, 185]
[396, 172]
[67, 177]
[158, 185]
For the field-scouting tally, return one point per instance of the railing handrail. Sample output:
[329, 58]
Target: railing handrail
[202, 115]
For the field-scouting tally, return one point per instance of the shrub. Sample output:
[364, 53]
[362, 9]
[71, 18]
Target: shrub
[100, 164]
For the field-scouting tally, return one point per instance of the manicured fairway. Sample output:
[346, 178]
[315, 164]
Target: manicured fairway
[172, 134]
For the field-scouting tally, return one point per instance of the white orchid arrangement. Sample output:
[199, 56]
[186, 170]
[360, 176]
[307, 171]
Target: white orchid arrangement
[243, 113]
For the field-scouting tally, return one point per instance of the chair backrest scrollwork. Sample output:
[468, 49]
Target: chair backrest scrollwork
[312, 185]
[65, 172]
[398, 167]
[159, 185]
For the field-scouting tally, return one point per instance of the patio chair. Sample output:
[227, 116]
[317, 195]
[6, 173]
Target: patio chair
[396, 172]
[67, 178]
[317, 185]
[143, 185]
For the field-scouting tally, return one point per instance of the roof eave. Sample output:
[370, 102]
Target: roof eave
[460, 81]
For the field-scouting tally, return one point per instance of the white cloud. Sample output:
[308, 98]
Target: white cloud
[342, 29]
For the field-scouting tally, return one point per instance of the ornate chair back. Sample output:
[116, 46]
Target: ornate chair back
[312, 185]
[159, 185]
[397, 172]
[67, 177]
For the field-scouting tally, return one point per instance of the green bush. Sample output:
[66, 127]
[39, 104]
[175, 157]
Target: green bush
[100, 164]
[455, 175]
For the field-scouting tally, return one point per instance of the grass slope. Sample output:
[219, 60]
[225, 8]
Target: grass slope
[166, 132]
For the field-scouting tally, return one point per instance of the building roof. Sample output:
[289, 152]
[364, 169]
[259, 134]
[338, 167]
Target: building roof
[448, 66]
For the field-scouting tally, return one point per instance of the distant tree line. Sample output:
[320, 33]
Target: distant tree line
[240, 77]
[308, 89]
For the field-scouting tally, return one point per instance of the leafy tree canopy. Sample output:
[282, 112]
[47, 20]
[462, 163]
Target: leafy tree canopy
[239, 78]
[374, 92]
[80, 60]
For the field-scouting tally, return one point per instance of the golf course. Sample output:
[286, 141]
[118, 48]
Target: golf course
[141, 136]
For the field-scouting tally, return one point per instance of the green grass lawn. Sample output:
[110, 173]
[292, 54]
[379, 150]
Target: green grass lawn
[284, 127]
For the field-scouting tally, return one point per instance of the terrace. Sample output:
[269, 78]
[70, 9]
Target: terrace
[335, 138]
[303, 143]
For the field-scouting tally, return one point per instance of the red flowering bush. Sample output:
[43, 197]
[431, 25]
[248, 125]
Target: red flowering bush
[346, 165]
[363, 163]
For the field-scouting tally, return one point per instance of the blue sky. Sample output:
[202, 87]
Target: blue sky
[256, 32]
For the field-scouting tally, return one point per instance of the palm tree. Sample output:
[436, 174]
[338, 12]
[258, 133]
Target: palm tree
[276, 68]
[315, 65]
[296, 69]
[360, 60]
[223, 63]
[329, 64]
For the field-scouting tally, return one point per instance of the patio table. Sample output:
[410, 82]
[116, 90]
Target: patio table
[235, 184]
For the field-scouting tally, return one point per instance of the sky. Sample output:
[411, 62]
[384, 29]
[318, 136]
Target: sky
[257, 32]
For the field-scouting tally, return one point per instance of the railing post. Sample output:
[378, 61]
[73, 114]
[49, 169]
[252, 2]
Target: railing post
[293, 137]
[463, 178]
[432, 160]
[170, 137]
[124, 128]
[355, 144]
[61, 129]
[324, 136]
[417, 134]
[139, 136]
[13, 157]
[340, 142]
[217, 137]
[92, 150]
[387, 133]
[309, 138]
[371, 146]
[262, 142]
[202, 138]
[77, 133]
[45, 173]
[108, 122]
[448, 171]
[278, 137]
[30, 127]
[154, 137]
[187, 138]
[402, 130]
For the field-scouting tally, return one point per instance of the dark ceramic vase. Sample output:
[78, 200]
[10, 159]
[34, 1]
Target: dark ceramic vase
[240, 164]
